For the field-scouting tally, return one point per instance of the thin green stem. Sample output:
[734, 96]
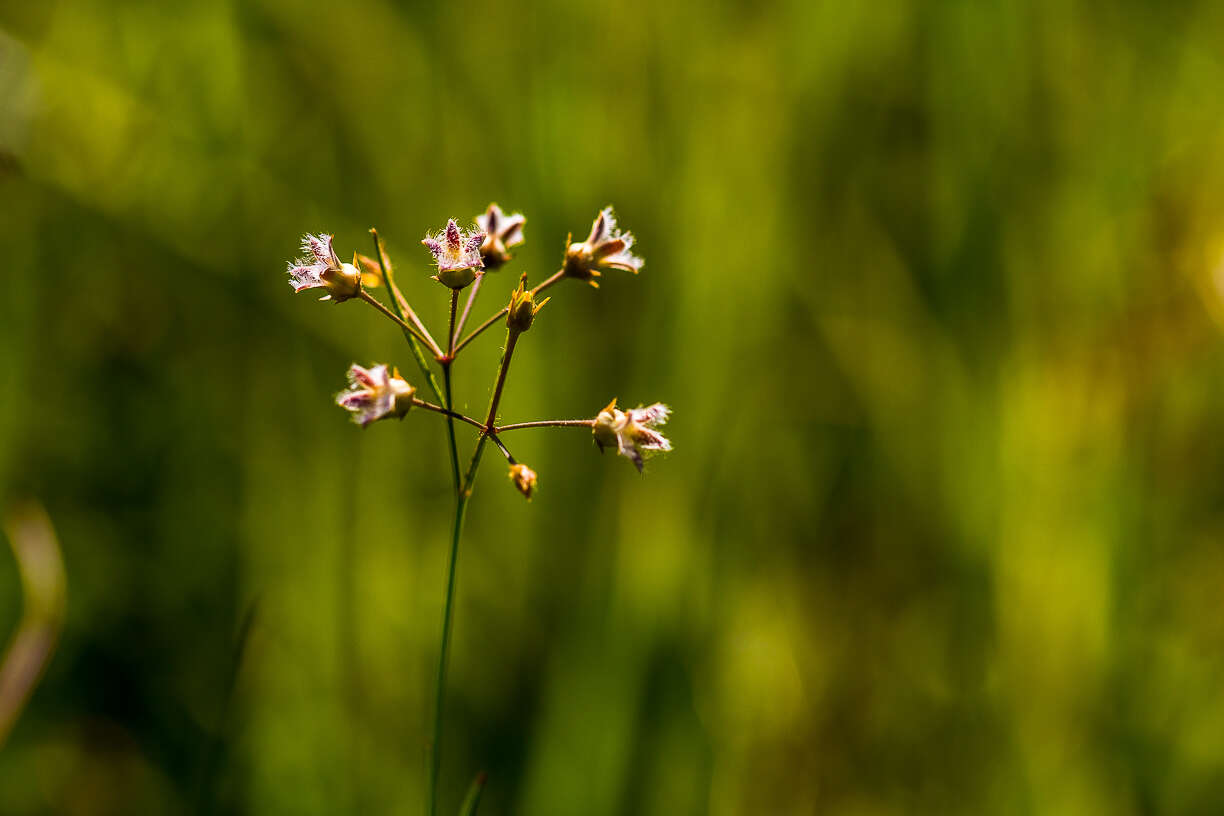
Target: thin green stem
[461, 496]
[547, 282]
[469, 480]
[547, 423]
[401, 307]
[423, 364]
[435, 754]
[450, 400]
[450, 426]
[463, 492]
[450, 333]
[399, 321]
[511, 340]
[467, 308]
[438, 409]
[502, 447]
[476, 332]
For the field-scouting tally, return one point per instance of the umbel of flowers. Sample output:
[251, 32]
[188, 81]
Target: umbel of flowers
[462, 257]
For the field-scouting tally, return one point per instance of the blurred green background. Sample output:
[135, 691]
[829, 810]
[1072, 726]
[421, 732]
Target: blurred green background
[935, 292]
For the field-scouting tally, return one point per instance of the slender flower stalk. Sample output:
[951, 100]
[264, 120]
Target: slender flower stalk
[400, 304]
[512, 337]
[480, 329]
[438, 409]
[452, 564]
[464, 493]
[467, 309]
[502, 447]
[450, 333]
[406, 313]
[396, 319]
[547, 423]
[446, 379]
[435, 752]
[398, 301]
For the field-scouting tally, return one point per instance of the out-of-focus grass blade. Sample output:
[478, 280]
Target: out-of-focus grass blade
[212, 750]
[472, 800]
[41, 567]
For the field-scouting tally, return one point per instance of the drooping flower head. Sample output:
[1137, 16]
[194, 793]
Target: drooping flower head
[524, 479]
[320, 268]
[457, 253]
[501, 232]
[375, 393]
[632, 431]
[605, 248]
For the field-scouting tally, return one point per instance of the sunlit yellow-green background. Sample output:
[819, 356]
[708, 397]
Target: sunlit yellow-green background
[934, 290]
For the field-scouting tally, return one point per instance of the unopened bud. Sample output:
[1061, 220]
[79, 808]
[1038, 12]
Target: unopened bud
[524, 479]
[523, 308]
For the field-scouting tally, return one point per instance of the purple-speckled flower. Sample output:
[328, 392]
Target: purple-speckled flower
[632, 431]
[605, 248]
[501, 232]
[457, 253]
[375, 393]
[320, 268]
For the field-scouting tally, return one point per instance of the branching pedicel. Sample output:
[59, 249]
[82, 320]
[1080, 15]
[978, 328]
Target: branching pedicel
[463, 257]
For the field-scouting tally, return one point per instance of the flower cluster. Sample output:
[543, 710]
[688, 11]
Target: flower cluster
[461, 256]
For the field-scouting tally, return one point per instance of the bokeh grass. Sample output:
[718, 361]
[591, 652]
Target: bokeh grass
[934, 290]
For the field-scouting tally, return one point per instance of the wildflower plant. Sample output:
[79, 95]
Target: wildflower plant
[462, 258]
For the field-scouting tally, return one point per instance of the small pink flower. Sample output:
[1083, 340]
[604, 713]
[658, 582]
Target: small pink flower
[632, 431]
[375, 393]
[605, 248]
[501, 232]
[457, 253]
[320, 268]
